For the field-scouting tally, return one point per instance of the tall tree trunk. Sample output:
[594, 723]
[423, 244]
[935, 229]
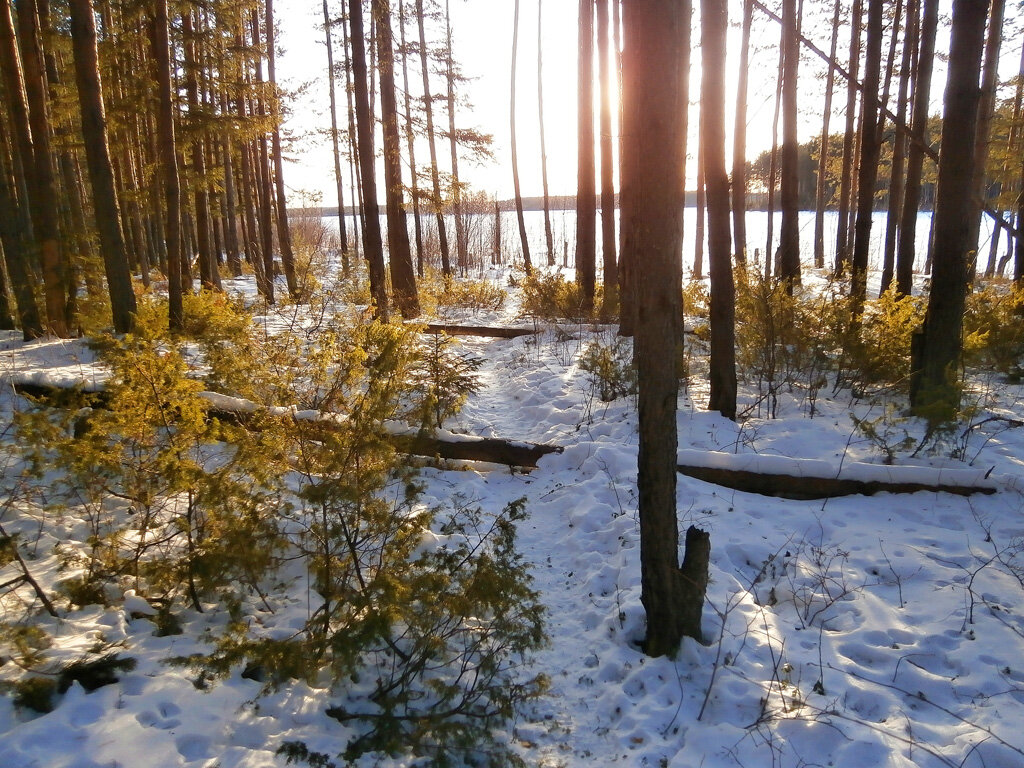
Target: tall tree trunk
[355, 179]
[897, 179]
[739, 142]
[870, 151]
[410, 142]
[373, 244]
[1010, 158]
[699, 230]
[549, 241]
[207, 262]
[335, 147]
[524, 241]
[714, 23]
[586, 201]
[284, 235]
[97, 155]
[169, 163]
[986, 111]
[849, 143]
[915, 157]
[230, 211]
[13, 239]
[403, 276]
[789, 192]
[42, 187]
[656, 59]
[458, 211]
[823, 147]
[262, 169]
[435, 180]
[608, 241]
[933, 393]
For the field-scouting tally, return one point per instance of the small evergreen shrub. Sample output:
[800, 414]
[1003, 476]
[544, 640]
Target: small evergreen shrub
[993, 331]
[438, 293]
[610, 368]
[548, 296]
[443, 379]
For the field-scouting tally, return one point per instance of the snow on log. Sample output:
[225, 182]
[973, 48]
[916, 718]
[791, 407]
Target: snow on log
[813, 479]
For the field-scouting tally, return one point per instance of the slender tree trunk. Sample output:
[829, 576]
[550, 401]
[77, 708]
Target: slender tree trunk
[769, 257]
[168, 163]
[263, 170]
[428, 106]
[101, 175]
[789, 235]
[461, 244]
[897, 179]
[986, 111]
[586, 201]
[403, 276]
[410, 142]
[656, 58]
[353, 159]
[714, 22]
[739, 145]
[849, 143]
[871, 147]
[13, 237]
[915, 157]
[823, 147]
[373, 245]
[548, 238]
[284, 236]
[933, 392]
[335, 147]
[515, 153]
[700, 230]
[608, 241]
[1011, 157]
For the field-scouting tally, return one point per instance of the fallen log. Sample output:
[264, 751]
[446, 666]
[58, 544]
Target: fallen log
[478, 330]
[443, 445]
[787, 478]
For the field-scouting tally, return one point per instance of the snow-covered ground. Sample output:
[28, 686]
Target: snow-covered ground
[851, 632]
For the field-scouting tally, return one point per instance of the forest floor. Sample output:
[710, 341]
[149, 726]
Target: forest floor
[848, 632]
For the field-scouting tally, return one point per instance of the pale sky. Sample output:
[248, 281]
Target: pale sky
[483, 42]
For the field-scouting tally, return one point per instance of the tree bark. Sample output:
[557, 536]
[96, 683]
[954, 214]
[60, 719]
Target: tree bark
[656, 68]
[461, 246]
[373, 245]
[906, 250]
[789, 192]
[335, 146]
[410, 143]
[97, 155]
[168, 164]
[548, 238]
[524, 241]
[284, 235]
[13, 237]
[849, 144]
[870, 151]
[609, 243]
[403, 276]
[823, 147]
[714, 22]
[739, 145]
[933, 391]
[586, 200]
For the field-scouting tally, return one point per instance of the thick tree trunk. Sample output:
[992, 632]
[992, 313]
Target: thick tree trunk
[373, 244]
[586, 200]
[789, 192]
[403, 276]
[42, 186]
[13, 236]
[97, 155]
[906, 250]
[656, 64]
[714, 23]
[933, 391]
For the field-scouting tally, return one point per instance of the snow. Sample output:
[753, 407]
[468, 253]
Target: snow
[850, 632]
